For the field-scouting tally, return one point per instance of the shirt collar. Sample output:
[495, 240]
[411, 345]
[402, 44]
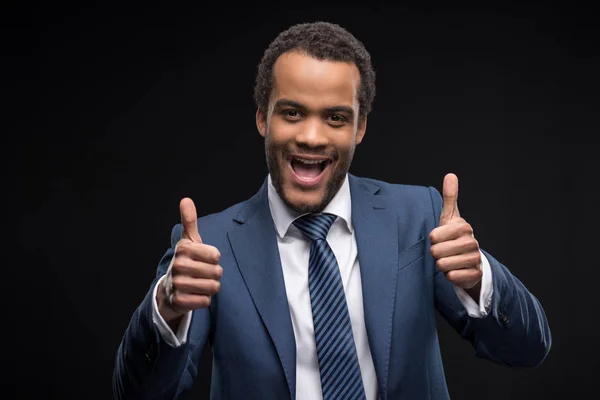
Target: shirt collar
[283, 216]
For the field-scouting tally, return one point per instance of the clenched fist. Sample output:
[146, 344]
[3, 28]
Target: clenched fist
[453, 244]
[194, 275]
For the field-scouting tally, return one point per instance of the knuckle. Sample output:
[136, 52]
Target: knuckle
[175, 283]
[178, 264]
[177, 301]
[433, 236]
[181, 249]
[214, 256]
[434, 251]
[215, 286]
[178, 281]
[181, 266]
[441, 264]
[207, 253]
[205, 301]
[451, 275]
[210, 271]
[469, 243]
[467, 228]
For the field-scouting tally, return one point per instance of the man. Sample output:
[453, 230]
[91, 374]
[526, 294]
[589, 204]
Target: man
[323, 284]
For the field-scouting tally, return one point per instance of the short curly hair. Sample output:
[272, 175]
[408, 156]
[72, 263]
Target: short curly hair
[323, 41]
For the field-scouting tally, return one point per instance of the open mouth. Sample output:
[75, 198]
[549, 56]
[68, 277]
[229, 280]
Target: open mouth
[308, 170]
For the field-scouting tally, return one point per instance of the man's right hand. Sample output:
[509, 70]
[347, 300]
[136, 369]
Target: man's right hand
[194, 276]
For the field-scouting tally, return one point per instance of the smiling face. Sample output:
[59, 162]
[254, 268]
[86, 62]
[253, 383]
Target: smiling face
[311, 128]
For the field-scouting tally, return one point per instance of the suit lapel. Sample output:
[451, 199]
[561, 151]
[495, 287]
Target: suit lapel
[254, 245]
[376, 227]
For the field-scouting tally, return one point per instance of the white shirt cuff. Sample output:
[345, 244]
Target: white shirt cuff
[485, 294]
[173, 339]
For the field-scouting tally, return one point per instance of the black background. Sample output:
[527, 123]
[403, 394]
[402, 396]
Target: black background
[114, 112]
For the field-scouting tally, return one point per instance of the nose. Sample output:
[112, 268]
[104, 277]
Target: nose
[313, 133]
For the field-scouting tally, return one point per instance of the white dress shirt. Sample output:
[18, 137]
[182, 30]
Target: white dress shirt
[294, 251]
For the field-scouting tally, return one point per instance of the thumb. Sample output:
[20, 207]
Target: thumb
[450, 194]
[189, 220]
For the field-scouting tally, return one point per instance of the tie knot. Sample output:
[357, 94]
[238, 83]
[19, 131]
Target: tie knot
[315, 226]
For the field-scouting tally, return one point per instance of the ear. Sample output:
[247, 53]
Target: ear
[261, 122]
[362, 128]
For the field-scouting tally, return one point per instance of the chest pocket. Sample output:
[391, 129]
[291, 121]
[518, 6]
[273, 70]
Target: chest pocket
[411, 254]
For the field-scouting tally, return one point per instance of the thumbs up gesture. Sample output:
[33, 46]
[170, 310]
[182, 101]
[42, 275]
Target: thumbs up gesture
[453, 244]
[194, 275]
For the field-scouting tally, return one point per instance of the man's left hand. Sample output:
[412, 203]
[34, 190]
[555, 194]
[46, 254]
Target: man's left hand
[453, 244]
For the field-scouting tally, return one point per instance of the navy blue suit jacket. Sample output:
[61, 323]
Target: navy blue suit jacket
[248, 323]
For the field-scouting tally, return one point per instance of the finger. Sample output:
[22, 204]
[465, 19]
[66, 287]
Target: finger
[198, 252]
[189, 220]
[187, 301]
[186, 284]
[196, 269]
[465, 278]
[451, 231]
[450, 195]
[461, 245]
[460, 261]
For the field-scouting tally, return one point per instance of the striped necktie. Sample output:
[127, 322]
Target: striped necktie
[336, 352]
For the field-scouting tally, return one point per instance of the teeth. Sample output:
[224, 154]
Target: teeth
[309, 161]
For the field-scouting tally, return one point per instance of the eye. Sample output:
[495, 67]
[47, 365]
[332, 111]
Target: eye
[292, 114]
[337, 119]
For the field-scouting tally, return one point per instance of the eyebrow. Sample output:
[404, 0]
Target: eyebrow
[290, 103]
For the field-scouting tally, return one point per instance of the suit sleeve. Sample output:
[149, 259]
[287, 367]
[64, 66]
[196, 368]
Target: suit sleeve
[515, 332]
[147, 366]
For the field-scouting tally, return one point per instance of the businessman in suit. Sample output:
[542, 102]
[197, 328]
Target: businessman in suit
[323, 284]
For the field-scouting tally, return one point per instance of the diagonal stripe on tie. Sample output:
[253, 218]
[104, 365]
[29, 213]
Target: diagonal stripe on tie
[336, 351]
